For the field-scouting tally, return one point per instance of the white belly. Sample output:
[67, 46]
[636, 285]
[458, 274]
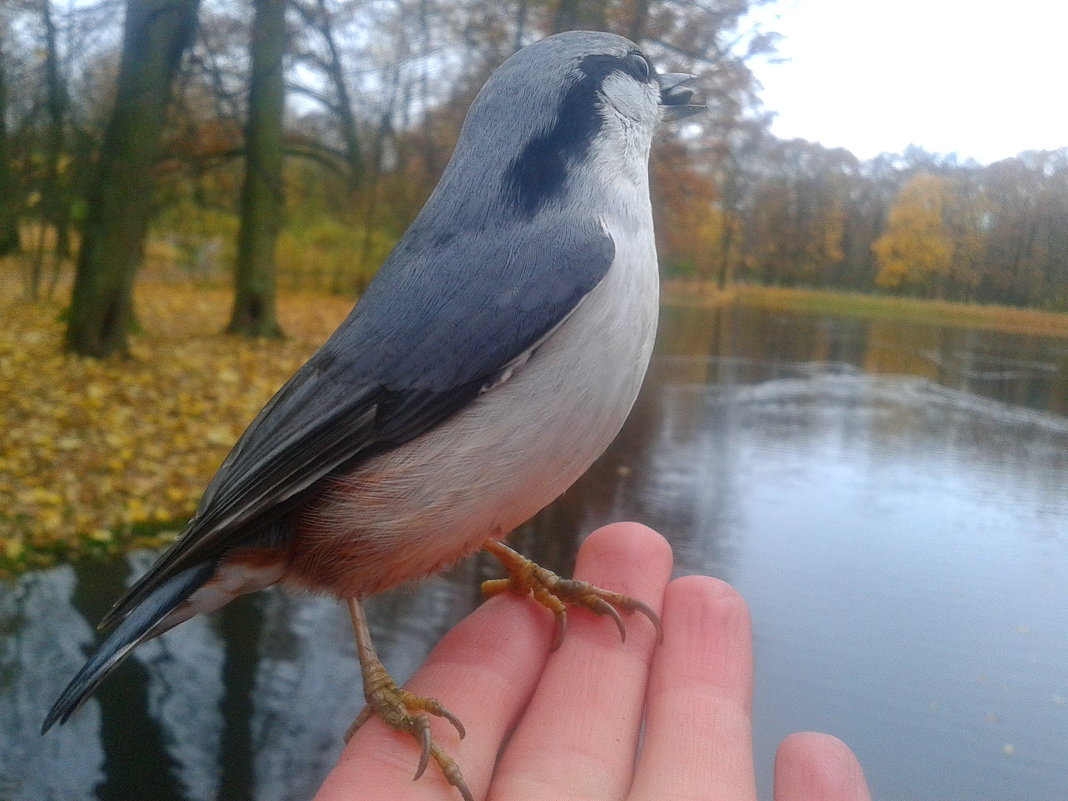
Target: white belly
[408, 512]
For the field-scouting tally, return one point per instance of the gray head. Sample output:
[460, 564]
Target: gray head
[547, 113]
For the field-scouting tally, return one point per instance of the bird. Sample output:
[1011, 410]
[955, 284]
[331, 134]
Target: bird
[494, 356]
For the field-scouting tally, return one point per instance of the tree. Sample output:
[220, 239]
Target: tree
[689, 225]
[869, 196]
[318, 17]
[9, 207]
[916, 249]
[1025, 258]
[156, 33]
[254, 312]
[55, 207]
[580, 14]
[731, 159]
[795, 218]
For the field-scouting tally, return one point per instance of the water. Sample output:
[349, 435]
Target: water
[891, 499]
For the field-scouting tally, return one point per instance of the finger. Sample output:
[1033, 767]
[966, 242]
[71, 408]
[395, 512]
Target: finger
[484, 672]
[818, 767]
[578, 737]
[698, 737]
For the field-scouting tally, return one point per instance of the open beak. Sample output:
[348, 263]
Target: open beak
[675, 95]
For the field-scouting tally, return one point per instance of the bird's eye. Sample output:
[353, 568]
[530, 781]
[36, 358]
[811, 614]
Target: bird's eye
[638, 67]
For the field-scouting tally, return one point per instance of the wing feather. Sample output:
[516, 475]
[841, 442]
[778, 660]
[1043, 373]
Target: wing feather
[439, 324]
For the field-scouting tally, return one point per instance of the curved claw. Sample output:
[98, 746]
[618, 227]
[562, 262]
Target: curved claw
[600, 606]
[455, 721]
[561, 629]
[424, 753]
[363, 717]
[654, 618]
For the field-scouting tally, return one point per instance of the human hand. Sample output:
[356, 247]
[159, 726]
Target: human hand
[566, 725]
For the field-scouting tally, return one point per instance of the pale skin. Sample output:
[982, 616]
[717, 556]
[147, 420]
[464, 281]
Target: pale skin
[571, 718]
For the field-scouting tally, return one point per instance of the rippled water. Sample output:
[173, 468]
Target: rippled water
[891, 499]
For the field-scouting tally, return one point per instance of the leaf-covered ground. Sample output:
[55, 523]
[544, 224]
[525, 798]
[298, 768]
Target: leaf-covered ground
[99, 454]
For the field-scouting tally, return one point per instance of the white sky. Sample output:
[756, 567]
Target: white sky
[986, 80]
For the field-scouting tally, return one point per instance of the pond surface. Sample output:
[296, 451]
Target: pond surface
[891, 499]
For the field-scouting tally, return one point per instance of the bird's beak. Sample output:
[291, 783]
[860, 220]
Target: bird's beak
[675, 95]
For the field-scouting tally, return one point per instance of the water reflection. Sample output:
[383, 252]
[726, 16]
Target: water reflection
[891, 499]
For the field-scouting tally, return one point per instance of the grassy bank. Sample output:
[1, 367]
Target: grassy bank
[1007, 319]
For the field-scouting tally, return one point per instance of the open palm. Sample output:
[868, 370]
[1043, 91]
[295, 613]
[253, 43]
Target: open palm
[568, 725]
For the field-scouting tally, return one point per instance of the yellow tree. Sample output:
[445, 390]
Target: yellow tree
[917, 248]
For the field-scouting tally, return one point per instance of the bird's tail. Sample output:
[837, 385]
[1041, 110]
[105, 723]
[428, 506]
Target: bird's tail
[145, 621]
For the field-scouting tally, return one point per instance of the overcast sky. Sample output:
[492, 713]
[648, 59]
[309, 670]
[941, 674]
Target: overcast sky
[984, 80]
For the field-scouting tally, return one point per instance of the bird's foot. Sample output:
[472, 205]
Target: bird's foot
[555, 593]
[403, 710]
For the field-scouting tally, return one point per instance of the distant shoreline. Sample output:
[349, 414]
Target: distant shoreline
[1007, 319]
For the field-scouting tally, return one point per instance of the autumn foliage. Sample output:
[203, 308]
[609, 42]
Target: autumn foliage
[916, 247]
[98, 452]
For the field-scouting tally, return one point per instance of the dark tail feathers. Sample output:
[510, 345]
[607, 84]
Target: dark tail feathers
[129, 633]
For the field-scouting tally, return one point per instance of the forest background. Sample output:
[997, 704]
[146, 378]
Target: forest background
[348, 110]
[166, 165]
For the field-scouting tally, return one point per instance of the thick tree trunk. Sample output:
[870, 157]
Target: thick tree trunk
[155, 35]
[261, 196]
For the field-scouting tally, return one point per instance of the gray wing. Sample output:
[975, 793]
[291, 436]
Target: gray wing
[444, 318]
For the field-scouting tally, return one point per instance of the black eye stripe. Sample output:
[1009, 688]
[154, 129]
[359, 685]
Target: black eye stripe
[540, 171]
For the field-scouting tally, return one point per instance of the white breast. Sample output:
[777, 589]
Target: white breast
[406, 513]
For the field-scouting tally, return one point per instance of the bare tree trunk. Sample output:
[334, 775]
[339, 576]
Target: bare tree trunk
[155, 35]
[321, 19]
[729, 201]
[522, 11]
[371, 208]
[346, 117]
[52, 203]
[565, 16]
[580, 15]
[638, 22]
[9, 207]
[254, 312]
[55, 200]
